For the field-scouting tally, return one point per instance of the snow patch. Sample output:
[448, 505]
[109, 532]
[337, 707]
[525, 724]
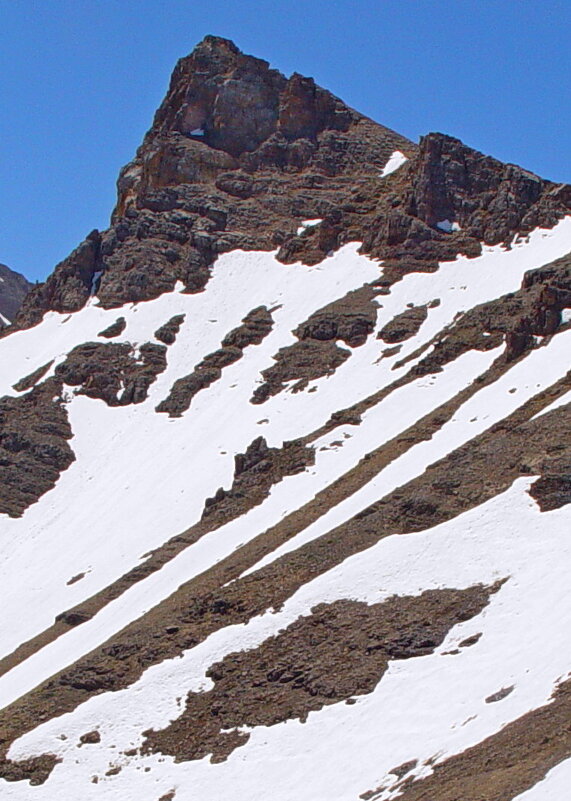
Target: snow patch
[396, 160]
[308, 224]
[449, 227]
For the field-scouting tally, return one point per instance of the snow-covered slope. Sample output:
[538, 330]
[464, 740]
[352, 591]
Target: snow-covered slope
[374, 604]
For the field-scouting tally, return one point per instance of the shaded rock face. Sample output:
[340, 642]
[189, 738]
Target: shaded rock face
[112, 372]
[35, 770]
[553, 489]
[489, 199]
[68, 287]
[454, 198]
[167, 333]
[255, 472]
[316, 353]
[13, 289]
[32, 379]
[115, 329]
[404, 325]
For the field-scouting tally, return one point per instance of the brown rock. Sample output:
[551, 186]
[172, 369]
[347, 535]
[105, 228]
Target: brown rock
[90, 738]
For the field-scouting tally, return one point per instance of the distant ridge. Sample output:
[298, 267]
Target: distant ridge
[13, 289]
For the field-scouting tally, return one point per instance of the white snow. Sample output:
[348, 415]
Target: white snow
[539, 370]
[308, 224]
[449, 227]
[429, 706]
[396, 160]
[395, 414]
[128, 455]
[140, 478]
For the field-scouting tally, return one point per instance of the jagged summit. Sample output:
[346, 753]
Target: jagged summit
[235, 102]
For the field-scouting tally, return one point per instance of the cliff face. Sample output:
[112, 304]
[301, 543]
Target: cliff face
[13, 289]
[285, 473]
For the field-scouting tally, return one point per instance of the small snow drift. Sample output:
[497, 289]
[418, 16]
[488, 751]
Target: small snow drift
[396, 160]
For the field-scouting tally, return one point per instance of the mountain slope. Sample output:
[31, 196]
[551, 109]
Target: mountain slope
[285, 468]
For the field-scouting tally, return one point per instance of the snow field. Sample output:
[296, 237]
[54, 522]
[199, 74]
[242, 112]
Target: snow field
[389, 417]
[539, 370]
[289, 494]
[155, 473]
[423, 707]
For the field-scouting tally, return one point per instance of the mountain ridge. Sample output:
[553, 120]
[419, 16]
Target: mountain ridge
[301, 173]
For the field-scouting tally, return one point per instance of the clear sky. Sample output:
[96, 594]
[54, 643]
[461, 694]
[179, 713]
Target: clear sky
[81, 79]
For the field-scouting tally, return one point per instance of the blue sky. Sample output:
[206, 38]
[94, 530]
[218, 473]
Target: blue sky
[80, 81]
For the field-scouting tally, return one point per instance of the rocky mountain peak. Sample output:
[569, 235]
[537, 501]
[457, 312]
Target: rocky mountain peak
[225, 110]
[239, 155]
